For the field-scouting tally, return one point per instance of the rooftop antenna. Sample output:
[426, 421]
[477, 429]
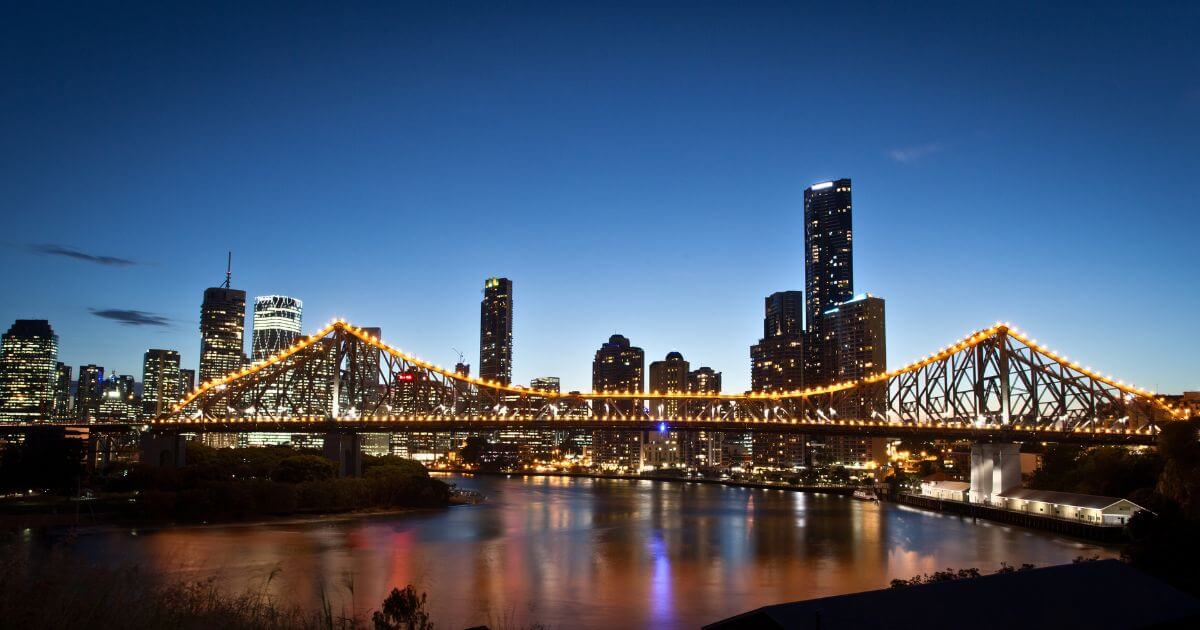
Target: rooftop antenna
[228, 270]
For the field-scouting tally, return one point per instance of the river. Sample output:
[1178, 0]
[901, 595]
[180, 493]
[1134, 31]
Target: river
[587, 553]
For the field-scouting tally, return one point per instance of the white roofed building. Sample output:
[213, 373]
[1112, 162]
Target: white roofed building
[1068, 505]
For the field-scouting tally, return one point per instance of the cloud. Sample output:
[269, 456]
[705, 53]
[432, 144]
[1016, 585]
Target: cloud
[908, 155]
[131, 317]
[67, 252]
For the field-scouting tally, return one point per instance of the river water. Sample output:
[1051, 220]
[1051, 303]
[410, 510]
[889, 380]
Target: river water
[587, 553]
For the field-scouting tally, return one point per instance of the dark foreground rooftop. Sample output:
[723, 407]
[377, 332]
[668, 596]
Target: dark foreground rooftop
[1103, 594]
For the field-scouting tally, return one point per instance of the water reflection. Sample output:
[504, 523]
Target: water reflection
[589, 553]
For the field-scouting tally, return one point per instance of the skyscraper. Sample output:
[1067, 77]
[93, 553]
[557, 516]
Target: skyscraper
[669, 375]
[187, 381]
[222, 329]
[277, 324]
[87, 392]
[777, 365]
[118, 399]
[495, 330]
[855, 347]
[828, 264]
[28, 354]
[160, 381]
[702, 448]
[618, 366]
[777, 360]
[62, 391]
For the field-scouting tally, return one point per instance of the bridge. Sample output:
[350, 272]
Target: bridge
[993, 384]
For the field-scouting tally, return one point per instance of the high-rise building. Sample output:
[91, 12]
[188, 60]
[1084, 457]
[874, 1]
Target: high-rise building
[160, 381]
[87, 392]
[828, 264]
[277, 324]
[669, 375]
[495, 330]
[62, 391]
[855, 347]
[546, 383]
[777, 365]
[222, 329]
[28, 354]
[704, 380]
[187, 381]
[702, 448]
[777, 360]
[118, 399]
[618, 367]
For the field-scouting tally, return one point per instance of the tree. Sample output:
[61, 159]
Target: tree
[403, 610]
[302, 468]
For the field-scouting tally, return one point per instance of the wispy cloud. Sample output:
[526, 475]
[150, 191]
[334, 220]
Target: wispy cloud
[68, 252]
[131, 317]
[908, 155]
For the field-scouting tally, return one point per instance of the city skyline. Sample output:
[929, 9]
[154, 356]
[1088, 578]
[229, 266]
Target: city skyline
[948, 186]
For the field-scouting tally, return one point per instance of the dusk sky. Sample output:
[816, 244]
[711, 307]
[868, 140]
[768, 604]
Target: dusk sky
[634, 169]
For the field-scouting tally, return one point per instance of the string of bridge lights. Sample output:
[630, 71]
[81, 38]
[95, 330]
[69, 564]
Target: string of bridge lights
[969, 341]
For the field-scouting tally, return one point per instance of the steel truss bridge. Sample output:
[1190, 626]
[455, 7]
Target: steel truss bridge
[994, 384]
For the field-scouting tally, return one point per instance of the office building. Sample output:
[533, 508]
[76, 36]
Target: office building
[277, 324]
[187, 381]
[160, 381]
[87, 392]
[828, 264]
[118, 399]
[777, 364]
[618, 367]
[62, 391]
[28, 355]
[222, 328]
[495, 331]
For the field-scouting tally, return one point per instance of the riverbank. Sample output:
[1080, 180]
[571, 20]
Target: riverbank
[1075, 529]
[758, 485]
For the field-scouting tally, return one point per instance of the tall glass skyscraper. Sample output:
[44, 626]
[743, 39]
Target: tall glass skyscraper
[160, 381]
[222, 331]
[495, 330]
[87, 392]
[828, 265]
[777, 360]
[277, 324]
[28, 356]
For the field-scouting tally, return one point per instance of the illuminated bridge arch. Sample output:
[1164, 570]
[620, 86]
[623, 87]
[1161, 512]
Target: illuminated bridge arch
[993, 383]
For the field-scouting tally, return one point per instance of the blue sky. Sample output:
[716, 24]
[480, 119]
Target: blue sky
[634, 168]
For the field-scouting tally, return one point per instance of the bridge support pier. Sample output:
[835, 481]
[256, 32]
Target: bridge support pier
[164, 450]
[345, 449]
[995, 468]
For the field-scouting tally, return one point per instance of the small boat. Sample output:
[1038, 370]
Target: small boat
[865, 494]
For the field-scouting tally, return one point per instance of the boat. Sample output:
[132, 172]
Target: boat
[865, 494]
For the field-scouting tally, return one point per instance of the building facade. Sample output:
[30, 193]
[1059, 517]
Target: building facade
[277, 324]
[618, 366]
[777, 360]
[87, 392]
[828, 263]
[160, 381]
[62, 391]
[222, 332]
[777, 364]
[855, 347]
[495, 330]
[28, 356]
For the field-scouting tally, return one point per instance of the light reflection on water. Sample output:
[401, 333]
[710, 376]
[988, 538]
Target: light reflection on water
[572, 553]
